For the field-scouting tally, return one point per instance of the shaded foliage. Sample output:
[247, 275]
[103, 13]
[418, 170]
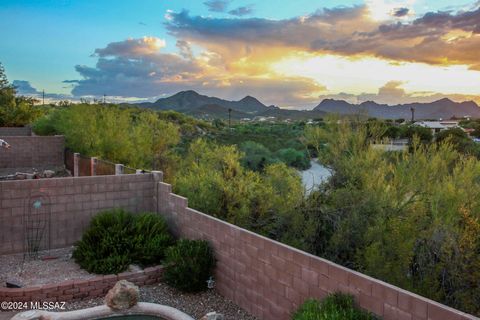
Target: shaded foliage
[336, 306]
[116, 238]
[189, 264]
[15, 111]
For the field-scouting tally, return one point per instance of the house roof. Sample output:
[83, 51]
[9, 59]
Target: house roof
[431, 124]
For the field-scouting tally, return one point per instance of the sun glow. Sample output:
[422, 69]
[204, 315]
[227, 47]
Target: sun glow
[367, 74]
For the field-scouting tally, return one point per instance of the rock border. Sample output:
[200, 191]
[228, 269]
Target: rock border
[80, 289]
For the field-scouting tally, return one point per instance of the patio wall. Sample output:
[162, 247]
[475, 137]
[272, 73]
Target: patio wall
[67, 205]
[265, 277]
[270, 279]
[33, 152]
[15, 131]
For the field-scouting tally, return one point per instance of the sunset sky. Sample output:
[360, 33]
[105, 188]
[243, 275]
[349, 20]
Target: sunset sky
[287, 53]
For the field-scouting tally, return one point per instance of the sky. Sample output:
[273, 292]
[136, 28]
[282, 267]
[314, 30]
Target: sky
[288, 53]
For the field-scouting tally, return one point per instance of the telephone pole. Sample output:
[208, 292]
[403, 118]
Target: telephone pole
[43, 97]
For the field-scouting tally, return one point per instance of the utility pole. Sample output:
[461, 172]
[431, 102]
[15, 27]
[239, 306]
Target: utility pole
[104, 98]
[43, 97]
[413, 113]
[229, 118]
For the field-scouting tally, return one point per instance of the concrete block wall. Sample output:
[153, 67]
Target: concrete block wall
[71, 203]
[15, 131]
[271, 280]
[265, 277]
[33, 152]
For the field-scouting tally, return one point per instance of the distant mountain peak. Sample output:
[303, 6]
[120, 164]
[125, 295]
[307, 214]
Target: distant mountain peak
[190, 100]
[252, 102]
[369, 102]
[187, 93]
[444, 100]
[246, 98]
[330, 100]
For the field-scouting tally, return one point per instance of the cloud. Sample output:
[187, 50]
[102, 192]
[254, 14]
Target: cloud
[134, 67]
[239, 56]
[241, 11]
[392, 93]
[298, 31]
[217, 5]
[24, 88]
[400, 12]
[130, 69]
[440, 38]
[132, 47]
[184, 49]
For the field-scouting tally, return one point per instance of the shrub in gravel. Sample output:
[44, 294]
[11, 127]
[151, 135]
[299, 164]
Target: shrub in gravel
[188, 265]
[116, 238]
[336, 306]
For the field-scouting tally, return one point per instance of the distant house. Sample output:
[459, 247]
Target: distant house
[263, 119]
[392, 145]
[437, 126]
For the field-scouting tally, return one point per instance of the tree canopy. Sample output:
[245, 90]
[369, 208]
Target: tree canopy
[15, 111]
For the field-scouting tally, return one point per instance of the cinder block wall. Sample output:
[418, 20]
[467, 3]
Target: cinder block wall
[33, 152]
[270, 279]
[265, 277]
[68, 205]
[15, 131]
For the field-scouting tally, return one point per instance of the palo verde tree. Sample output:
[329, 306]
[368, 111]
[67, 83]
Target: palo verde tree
[410, 218]
[15, 110]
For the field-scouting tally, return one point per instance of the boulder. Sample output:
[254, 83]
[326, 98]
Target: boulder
[123, 295]
[213, 316]
[48, 173]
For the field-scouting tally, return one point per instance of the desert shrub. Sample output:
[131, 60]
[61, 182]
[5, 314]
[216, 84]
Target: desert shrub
[336, 306]
[256, 156]
[189, 264]
[294, 158]
[116, 238]
[151, 238]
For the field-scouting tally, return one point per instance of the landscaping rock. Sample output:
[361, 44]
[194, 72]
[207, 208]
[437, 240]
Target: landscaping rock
[123, 295]
[213, 316]
[134, 268]
[48, 173]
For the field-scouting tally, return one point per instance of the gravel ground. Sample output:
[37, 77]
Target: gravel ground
[46, 270]
[27, 272]
[196, 305]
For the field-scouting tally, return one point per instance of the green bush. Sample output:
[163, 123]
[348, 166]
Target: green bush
[116, 238]
[336, 306]
[294, 158]
[256, 156]
[188, 265]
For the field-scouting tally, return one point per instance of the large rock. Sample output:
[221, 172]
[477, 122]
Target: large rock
[213, 316]
[123, 295]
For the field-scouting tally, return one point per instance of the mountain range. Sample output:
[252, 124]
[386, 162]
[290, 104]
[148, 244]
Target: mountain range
[201, 106]
[440, 109]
